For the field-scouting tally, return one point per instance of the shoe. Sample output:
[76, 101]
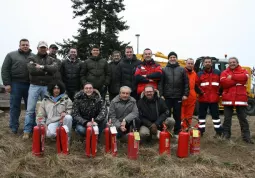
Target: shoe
[226, 136]
[26, 136]
[248, 140]
[218, 135]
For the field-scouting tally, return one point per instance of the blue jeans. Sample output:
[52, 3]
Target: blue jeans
[19, 90]
[81, 130]
[33, 94]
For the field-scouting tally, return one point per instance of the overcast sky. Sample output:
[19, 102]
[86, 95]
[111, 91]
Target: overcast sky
[190, 28]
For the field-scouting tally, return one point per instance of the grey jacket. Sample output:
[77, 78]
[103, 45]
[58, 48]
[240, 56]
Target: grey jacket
[120, 110]
[50, 111]
[14, 67]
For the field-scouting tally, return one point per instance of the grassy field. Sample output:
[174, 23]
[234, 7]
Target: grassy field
[218, 158]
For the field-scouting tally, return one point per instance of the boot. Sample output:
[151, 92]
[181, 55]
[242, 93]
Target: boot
[248, 140]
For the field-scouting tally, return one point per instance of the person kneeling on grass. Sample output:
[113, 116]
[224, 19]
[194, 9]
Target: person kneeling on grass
[123, 112]
[153, 112]
[55, 107]
[88, 105]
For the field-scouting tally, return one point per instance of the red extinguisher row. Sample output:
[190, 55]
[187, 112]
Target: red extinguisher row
[188, 141]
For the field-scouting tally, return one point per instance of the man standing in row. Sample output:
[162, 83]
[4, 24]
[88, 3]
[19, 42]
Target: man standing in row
[148, 72]
[209, 83]
[189, 104]
[233, 81]
[53, 49]
[126, 70]
[15, 78]
[174, 87]
[42, 69]
[113, 89]
[70, 71]
[96, 71]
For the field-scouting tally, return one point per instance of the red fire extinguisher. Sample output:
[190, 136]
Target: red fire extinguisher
[110, 139]
[164, 141]
[62, 139]
[38, 139]
[183, 144]
[195, 136]
[91, 140]
[133, 143]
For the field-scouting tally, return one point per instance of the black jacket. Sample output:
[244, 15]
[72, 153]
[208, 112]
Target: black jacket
[57, 74]
[125, 72]
[70, 72]
[174, 82]
[96, 71]
[85, 108]
[44, 76]
[113, 88]
[152, 111]
[14, 67]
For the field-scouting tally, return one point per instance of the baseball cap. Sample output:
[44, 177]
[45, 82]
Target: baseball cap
[42, 44]
[53, 46]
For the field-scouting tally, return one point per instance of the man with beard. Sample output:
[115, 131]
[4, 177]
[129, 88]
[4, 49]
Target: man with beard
[70, 72]
[53, 49]
[15, 78]
[113, 88]
[42, 69]
[208, 81]
[153, 112]
[148, 72]
[233, 80]
[96, 71]
[174, 88]
[126, 70]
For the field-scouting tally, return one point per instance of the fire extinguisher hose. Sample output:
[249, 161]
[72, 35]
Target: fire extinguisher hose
[40, 133]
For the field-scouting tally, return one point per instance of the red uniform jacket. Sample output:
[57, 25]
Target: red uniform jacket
[153, 72]
[234, 89]
[209, 84]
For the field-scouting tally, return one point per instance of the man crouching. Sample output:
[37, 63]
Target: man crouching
[123, 112]
[89, 109]
[153, 112]
[55, 107]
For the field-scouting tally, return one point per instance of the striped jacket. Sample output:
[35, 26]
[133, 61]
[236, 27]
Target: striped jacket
[209, 84]
[234, 88]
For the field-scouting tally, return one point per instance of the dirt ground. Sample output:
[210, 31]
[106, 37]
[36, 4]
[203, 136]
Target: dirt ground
[218, 158]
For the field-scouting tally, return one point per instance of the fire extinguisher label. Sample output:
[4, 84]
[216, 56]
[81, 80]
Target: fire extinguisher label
[195, 133]
[167, 142]
[115, 143]
[42, 141]
[137, 136]
[113, 130]
[135, 144]
[96, 130]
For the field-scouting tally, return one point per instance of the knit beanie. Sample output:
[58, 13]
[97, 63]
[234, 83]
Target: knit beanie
[172, 53]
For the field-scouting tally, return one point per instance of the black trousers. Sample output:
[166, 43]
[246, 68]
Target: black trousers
[241, 115]
[214, 111]
[176, 105]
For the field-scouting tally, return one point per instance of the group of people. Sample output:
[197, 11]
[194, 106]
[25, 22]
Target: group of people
[142, 95]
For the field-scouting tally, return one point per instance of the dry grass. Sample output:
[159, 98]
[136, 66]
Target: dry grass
[218, 158]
